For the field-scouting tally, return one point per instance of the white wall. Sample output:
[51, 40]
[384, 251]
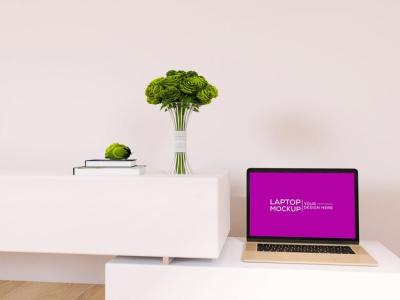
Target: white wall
[302, 84]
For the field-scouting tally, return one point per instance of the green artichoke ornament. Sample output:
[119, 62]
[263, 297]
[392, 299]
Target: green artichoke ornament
[183, 88]
[117, 151]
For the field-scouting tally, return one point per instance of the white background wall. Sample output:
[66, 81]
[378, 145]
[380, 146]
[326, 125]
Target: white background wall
[302, 84]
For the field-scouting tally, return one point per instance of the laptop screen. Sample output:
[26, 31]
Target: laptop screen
[302, 204]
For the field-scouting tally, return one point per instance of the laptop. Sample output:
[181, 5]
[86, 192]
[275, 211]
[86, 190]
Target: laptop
[305, 216]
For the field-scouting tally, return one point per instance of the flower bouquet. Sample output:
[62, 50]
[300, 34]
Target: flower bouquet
[180, 93]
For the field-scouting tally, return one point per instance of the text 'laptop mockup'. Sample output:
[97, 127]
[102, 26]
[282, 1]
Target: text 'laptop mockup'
[304, 216]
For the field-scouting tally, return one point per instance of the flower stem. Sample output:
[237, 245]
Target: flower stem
[179, 115]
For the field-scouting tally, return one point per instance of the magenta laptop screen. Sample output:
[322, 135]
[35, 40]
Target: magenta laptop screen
[302, 205]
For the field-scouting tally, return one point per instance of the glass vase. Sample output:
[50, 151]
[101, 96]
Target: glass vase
[180, 116]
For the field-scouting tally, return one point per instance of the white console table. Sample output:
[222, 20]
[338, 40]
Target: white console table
[230, 278]
[148, 215]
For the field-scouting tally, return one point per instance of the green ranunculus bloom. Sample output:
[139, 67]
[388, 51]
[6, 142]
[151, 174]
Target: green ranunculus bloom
[153, 100]
[205, 95]
[172, 80]
[154, 90]
[188, 89]
[191, 73]
[117, 151]
[193, 84]
[170, 94]
[173, 72]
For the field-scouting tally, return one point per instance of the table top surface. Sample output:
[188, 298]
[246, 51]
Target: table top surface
[233, 250]
[147, 174]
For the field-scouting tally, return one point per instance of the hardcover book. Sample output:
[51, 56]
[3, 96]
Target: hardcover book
[110, 163]
[100, 171]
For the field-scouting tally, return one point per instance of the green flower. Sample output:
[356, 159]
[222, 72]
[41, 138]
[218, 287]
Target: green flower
[173, 72]
[205, 95]
[154, 90]
[172, 80]
[117, 151]
[193, 84]
[188, 89]
[191, 73]
[170, 94]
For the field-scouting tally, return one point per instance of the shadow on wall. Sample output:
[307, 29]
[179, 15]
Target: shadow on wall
[379, 214]
[238, 216]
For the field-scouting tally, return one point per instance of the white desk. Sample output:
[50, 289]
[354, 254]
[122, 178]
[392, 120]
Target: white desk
[229, 278]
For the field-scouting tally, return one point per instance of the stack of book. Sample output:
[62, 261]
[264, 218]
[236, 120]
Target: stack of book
[108, 167]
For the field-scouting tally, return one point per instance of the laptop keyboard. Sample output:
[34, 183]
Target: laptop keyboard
[304, 248]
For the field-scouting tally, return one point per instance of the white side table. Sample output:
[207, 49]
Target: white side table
[229, 278]
[148, 215]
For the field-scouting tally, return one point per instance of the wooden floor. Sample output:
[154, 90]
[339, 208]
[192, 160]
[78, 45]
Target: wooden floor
[27, 290]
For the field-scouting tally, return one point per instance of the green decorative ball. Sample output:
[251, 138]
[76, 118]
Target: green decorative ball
[117, 151]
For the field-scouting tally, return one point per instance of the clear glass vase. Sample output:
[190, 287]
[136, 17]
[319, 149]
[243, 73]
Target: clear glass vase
[180, 116]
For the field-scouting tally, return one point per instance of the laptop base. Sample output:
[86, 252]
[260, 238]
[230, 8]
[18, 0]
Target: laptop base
[360, 258]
